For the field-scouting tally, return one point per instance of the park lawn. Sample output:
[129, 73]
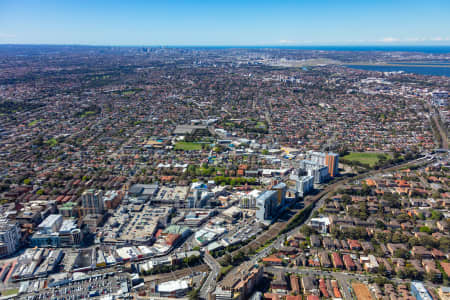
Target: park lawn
[370, 158]
[188, 146]
[261, 124]
[52, 142]
[88, 113]
[32, 123]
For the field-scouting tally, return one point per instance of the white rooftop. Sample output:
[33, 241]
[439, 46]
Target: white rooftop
[171, 286]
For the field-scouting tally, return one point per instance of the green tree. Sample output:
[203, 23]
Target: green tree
[307, 230]
[425, 229]
[436, 215]
[402, 253]
[227, 260]
[194, 294]
[380, 224]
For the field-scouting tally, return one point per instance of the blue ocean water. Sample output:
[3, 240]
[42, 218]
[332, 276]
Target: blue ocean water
[435, 71]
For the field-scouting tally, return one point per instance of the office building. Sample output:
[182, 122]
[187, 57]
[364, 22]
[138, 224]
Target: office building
[200, 195]
[265, 205]
[9, 237]
[281, 189]
[270, 203]
[249, 200]
[92, 202]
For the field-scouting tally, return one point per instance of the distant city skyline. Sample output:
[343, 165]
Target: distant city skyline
[225, 23]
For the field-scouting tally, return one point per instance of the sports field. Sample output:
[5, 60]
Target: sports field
[370, 158]
[188, 146]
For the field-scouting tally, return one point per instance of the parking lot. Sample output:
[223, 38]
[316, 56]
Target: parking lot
[90, 287]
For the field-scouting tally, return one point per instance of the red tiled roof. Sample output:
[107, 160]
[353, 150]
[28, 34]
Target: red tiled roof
[272, 259]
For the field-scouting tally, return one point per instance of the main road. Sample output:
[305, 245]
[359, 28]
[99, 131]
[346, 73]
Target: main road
[210, 283]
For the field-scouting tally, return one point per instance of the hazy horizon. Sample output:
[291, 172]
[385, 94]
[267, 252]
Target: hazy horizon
[238, 46]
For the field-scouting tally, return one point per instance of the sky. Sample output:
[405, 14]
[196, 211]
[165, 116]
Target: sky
[221, 23]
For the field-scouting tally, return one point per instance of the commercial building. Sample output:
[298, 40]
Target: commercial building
[135, 224]
[9, 237]
[56, 232]
[192, 130]
[222, 294]
[172, 196]
[50, 224]
[143, 192]
[69, 209]
[207, 234]
[232, 214]
[248, 200]
[85, 260]
[111, 199]
[92, 202]
[439, 98]
[197, 217]
[173, 289]
[37, 262]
